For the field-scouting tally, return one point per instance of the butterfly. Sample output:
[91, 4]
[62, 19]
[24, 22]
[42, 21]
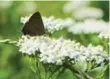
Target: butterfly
[34, 26]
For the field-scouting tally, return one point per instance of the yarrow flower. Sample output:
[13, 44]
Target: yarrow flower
[88, 12]
[52, 51]
[82, 10]
[95, 53]
[52, 24]
[71, 6]
[105, 34]
[59, 51]
[89, 26]
[29, 45]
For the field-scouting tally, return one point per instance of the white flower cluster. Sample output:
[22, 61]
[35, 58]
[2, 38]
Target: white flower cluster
[51, 24]
[74, 5]
[89, 26]
[30, 45]
[95, 53]
[81, 10]
[88, 12]
[58, 51]
[105, 34]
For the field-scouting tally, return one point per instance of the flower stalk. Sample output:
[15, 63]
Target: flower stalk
[77, 73]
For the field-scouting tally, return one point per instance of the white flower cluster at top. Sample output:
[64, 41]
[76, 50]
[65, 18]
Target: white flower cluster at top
[51, 24]
[74, 5]
[58, 51]
[89, 26]
[88, 12]
[82, 10]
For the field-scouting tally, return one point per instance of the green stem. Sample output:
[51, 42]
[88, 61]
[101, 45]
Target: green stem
[8, 41]
[38, 69]
[83, 39]
[77, 73]
[53, 72]
[105, 45]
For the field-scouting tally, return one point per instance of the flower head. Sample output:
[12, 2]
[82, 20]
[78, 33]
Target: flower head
[88, 12]
[59, 51]
[89, 26]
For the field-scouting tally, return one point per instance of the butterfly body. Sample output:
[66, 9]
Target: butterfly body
[34, 26]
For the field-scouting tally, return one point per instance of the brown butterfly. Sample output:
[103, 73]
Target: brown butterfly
[34, 26]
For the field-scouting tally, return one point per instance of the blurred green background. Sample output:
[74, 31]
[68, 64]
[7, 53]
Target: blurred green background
[12, 64]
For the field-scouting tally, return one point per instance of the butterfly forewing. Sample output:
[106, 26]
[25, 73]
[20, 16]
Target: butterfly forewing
[34, 26]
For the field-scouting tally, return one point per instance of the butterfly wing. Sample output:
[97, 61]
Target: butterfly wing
[34, 26]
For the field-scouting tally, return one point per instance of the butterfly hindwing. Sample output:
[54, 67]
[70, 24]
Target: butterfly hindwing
[34, 26]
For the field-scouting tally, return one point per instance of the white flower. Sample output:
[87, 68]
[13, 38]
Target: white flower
[68, 22]
[89, 26]
[105, 34]
[88, 12]
[28, 46]
[52, 51]
[52, 24]
[71, 6]
[81, 10]
[57, 51]
[94, 53]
